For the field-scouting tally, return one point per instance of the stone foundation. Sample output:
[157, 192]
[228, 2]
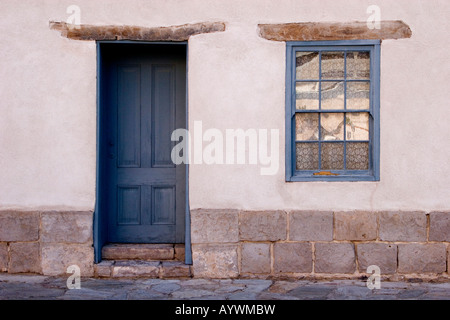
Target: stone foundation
[248, 244]
[46, 242]
[320, 245]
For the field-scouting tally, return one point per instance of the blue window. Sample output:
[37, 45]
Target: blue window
[333, 111]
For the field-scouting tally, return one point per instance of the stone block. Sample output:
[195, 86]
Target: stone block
[255, 257]
[215, 261]
[25, 257]
[19, 226]
[180, 252]
[214, 226]
[103, 269]
[292, 257]
[263, 226]
[382, 255]
[311, 226]
[440, 226]
[355, 226]
[144, 251]
[67, 227]
[56, 257]
[335, 258]
[422, 258]
[136, 269]
[403, 226]
[4, 257]
[175, 269]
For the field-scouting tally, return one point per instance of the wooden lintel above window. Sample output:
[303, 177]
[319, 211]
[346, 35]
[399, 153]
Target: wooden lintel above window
[109, 32]
[322, 31]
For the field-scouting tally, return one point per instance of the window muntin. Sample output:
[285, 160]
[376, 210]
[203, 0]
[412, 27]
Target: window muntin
[332, 112]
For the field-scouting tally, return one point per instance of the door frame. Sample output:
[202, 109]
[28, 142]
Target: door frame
[100, 223]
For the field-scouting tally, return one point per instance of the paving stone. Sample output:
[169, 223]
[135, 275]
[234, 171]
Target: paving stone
[311, 226]
[275, 296]
[166, 288]
[255, 285]
[354, 292]
[142, 294]
[67, 227]
[255, 258]
[243, 296]
[214, 226]
[86, 294]
[230, 289]
[411, 294]
[19, 226]
[283, 286]
[190, 294]
[355, 226]
[262, 226]
[311, 292]
[40, 287]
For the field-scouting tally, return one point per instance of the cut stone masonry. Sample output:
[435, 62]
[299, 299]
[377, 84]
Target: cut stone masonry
[320, 245]
[240, 244]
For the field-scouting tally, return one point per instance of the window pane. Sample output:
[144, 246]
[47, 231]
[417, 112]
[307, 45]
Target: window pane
[357, 126]
[332, 95]
[358, 95]
[358, 65]
[332, 156]
[333, 65]
[307, 95]
[307, 156]
[307, 65]
[307, 126]
[332, 126]
[358, 156]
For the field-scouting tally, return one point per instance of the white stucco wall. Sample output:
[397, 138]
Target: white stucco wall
[236, 80]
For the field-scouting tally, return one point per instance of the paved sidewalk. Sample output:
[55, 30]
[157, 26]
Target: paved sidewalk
[21, 287]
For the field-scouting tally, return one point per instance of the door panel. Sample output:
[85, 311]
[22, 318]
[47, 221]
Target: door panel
[144, 103]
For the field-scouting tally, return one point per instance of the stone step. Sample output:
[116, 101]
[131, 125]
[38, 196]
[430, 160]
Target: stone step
[142, 269]
[143, 252]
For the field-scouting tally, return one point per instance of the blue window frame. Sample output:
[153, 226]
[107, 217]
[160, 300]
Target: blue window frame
[333, 111]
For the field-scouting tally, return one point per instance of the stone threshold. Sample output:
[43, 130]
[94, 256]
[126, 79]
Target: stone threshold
[142, 269]
[144, 252]
[151, 261]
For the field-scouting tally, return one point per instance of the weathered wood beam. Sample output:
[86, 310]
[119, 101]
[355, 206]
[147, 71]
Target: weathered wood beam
[317, 31]
[172, 33]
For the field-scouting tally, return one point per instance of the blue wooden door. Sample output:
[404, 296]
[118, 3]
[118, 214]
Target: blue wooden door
[144, 97]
